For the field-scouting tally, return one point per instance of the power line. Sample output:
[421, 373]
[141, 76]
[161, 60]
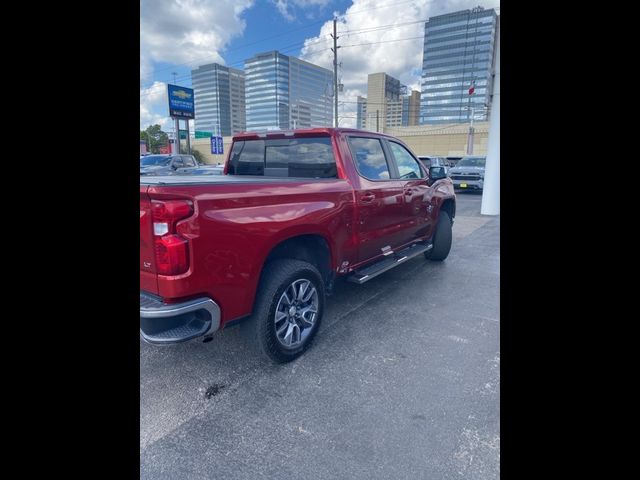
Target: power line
[284, 33]
[240, 47]
[382, 41]
[283, 50]
[303, 43]
[383, 27]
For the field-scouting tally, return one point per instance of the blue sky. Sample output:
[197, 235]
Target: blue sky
[377, 35]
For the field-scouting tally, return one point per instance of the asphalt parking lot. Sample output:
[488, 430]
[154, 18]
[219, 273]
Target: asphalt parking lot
[402, 381]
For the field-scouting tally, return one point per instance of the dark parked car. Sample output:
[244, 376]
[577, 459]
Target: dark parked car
[167, 164]
[468, 174]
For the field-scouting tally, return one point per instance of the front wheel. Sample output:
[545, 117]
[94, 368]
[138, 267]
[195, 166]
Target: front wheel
[441, 239]
[288, 310]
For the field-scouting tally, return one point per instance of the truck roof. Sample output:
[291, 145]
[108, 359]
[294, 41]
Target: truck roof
[301, 132]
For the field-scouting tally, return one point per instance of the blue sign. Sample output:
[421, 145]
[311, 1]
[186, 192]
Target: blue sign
[216, 146]
[181, 103]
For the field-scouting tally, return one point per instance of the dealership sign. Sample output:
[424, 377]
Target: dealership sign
[181, 103]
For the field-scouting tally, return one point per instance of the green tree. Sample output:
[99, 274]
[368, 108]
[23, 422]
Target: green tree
[155, 138]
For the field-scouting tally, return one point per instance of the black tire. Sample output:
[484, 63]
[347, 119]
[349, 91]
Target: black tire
[260, 329]
[441, 239]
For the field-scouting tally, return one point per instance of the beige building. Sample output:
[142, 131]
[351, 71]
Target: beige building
[382, 90]
[393, 113]
[445, 140]
[386, 105]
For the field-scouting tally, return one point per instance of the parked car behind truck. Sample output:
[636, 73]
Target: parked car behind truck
[468, 174]
[161, 164]
[264, 243]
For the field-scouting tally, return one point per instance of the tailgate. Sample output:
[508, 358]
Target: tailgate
[148, 277]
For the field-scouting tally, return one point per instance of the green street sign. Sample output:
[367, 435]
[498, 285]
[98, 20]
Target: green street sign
[183, 134]
[200, 134]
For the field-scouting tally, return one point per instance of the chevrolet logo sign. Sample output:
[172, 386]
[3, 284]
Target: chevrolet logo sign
[181, 94]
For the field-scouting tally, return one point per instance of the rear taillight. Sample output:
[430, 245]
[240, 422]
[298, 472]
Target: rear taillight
[172, 250]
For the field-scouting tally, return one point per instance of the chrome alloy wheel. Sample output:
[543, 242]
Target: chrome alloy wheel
[296, 313]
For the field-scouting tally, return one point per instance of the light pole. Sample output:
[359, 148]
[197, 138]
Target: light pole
[470, 135]
[471, 132]
[149, 139]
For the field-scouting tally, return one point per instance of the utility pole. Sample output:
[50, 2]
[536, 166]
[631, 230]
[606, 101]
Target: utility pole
[377, 120]
[471, 107]
[335, 71]
[175, 148]
[188, 137]
[471, 132]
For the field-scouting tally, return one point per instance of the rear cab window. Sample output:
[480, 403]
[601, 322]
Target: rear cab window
[310, 157]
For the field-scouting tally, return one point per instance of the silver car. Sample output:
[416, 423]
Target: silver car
[468, 174]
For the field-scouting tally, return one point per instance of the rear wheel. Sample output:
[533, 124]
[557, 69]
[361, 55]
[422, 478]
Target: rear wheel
[441, 239]
[288, 310]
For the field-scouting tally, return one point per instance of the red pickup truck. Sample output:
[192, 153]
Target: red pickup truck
[265, 242]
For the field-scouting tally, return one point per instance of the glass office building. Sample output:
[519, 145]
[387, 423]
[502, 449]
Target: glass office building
[458, 53]
[219, 99]
[283, 92]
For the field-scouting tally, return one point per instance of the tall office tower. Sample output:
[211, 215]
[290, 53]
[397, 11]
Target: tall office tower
[219, 99]
[457, 59]
[284, 92]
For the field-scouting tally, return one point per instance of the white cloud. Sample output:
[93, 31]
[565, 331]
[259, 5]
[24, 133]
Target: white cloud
[400, 59]
[154, 106]
[181, 31]
[285, 7]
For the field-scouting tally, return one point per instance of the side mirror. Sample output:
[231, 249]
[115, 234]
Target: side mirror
[437, 173]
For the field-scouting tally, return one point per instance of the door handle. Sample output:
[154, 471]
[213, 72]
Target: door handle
[367, 197]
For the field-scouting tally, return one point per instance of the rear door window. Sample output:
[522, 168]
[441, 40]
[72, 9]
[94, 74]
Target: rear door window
[369, 158]
[292, 157]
